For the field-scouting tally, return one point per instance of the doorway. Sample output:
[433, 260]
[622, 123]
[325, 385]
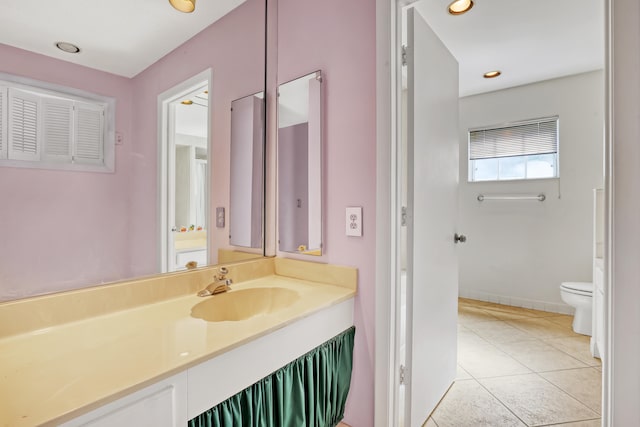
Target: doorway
[184, 171]
[524, 209]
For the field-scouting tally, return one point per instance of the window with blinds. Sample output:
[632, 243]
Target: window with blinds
[523, 150]
[48, 129]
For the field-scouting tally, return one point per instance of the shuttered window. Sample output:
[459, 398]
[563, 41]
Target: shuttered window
[88, 133]
[524, 150]
[42, 128]
[58, 125]
[24, 124]
[3, 122]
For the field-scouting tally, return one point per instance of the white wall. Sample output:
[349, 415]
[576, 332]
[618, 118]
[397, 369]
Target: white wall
[518, 252]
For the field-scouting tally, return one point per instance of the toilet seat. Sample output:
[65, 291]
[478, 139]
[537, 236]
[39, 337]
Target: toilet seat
[579, 288]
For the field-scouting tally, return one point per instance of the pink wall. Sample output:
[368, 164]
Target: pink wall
[233, 48]
[64, 230]
[338, 38]
[60, 229]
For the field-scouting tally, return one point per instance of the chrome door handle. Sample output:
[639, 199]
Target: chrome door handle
[459, 238]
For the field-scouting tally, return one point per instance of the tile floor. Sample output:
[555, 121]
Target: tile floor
[520, 367]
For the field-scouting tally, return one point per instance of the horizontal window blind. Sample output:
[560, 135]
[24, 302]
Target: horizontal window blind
[523, 139]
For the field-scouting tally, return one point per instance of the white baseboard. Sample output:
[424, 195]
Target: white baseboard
[551, 307]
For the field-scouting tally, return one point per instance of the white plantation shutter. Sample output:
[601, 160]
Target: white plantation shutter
[42, 127]
[24, 125]
[89, 133]
[57, 128]
[3, 122]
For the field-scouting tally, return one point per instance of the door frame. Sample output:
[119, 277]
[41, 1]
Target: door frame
[165, 143]
[388, 206]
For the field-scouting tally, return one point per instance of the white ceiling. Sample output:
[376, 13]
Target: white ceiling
[192, 119]
[123, 37]
[528, 40]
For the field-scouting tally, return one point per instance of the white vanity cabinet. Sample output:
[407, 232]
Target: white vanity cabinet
[163, 404]
[174, 401]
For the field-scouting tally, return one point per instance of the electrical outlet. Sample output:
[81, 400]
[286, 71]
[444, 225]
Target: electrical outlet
[354, 221]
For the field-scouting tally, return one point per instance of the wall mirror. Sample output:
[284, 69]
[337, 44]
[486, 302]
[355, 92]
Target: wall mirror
[246, 217]
[300, 165]
[67, 230]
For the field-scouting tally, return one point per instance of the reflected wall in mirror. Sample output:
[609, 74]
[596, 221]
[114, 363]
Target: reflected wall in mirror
[247, 172]
[65, 230]
[300, 165]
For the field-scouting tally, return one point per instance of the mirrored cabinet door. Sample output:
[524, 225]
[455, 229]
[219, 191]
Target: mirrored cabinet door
[300, 165]
[247, 171]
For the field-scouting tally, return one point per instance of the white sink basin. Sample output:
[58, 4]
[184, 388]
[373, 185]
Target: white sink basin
[242, 304]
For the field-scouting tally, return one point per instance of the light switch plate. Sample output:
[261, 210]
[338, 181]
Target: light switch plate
[354, 221]
[220, 217]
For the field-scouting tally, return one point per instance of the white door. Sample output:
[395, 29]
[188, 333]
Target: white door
[432, 204]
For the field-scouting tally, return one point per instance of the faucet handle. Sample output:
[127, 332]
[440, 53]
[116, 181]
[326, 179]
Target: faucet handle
[222, 273]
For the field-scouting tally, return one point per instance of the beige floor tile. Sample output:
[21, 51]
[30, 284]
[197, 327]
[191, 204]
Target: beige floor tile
[430, 423]
[562, 320]
[504, 315]
[500, 308]
[536, 401]
[498, 332]
[468, 404]
[542, 328]
[583, 384]
[468, 315]
[590, 423]
[484, 361]
[577, 347]
[467, 339]
[539, 356]
[461, 374]
[472, 302]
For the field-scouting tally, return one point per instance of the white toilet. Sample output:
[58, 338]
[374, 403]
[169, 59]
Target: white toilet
[580, 296]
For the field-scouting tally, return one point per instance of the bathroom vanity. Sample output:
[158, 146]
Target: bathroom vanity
[141, 353]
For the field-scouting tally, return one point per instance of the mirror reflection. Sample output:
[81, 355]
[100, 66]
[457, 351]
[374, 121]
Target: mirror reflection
[300, 165]
[69, 229]
[247, 171]
[187, 177]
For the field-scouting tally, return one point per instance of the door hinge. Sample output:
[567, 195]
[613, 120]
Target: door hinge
[403, 216]
[404, 55]
[402, 373]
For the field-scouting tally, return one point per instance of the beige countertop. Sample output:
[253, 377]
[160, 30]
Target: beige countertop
[56, 373]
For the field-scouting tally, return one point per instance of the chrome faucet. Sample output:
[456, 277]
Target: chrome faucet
[219, 285]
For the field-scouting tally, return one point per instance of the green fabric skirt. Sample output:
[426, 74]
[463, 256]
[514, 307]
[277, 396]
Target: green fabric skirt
[311, 391]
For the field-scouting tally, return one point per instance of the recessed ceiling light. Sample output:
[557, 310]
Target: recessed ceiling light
[68, 47]
[458, 7]
[186, 6]
[492, 74]
[187, 102]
